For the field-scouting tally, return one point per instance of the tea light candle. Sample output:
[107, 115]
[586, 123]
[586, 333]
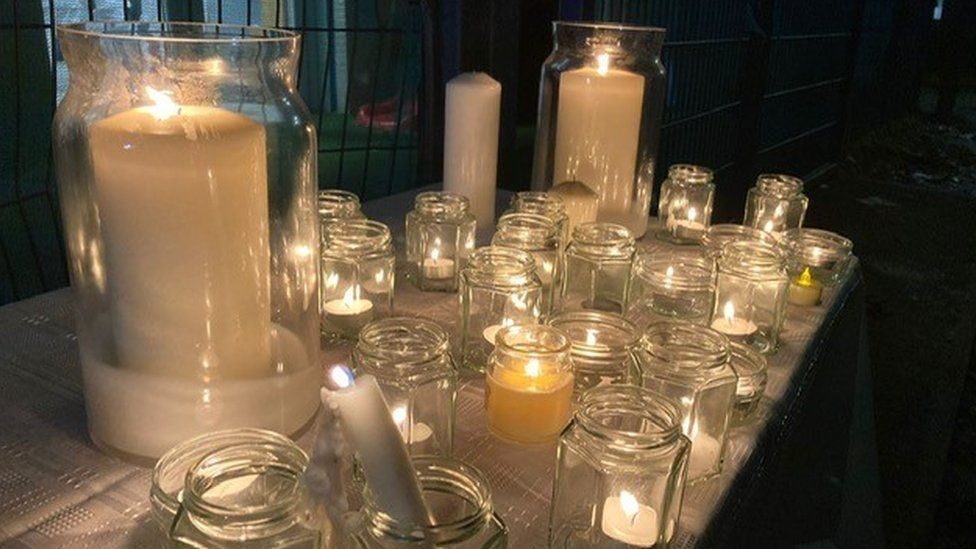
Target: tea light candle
[529, 404]
[438, 268]
[732, 326]
[690, 228]
[805, 291]
[580, 201]
[627, 520]
[349, 314]
[415, 434]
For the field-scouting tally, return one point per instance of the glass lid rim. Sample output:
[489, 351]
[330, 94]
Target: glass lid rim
[100, 29]
[609, 26]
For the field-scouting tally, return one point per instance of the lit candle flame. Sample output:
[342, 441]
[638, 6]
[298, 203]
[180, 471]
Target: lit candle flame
[532, 368]
[399, 415]
[164, 106]
[729, 312]
[380, 276]
[351, 296]
[805, 278]
[692, 213]
[603, 63]
[341, 377]
[629, 505]
[332, 280]
[590, 336]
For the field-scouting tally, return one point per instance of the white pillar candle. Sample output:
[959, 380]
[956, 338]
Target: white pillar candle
[597, 133]
[471, 117]
[627, 520]
[349, 314]
[183, 204]
[374, 436]
[581, 202]
[733, 326]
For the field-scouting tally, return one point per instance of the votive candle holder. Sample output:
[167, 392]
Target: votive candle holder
[602, 346]
[440, 235]
[672, 285]
[539, 236]
[598, 265]
[776, 203]
[546, 204]
[685, 207]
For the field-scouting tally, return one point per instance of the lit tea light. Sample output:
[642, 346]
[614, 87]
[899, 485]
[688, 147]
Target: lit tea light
[437, 267]
[733, 326]
[627, 520]
[415, 434]
[805, 291]
[689, 228]
[349, 314]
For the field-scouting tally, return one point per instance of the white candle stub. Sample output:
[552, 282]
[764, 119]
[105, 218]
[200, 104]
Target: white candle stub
[437, 268]
[627, 520]
[349, 314]
[733, 326]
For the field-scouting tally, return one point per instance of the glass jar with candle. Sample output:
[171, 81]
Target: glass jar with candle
[750, 370]
[358, 265]
[499, 288]
[672, 285]
[602, 347]
[598, 265]
[529, 384]
[537, 235]
[601, 96]
[545, 204]
[690, 365]
[750, 294]
[719, 235]
[186, 166]
[440, 235]
[776, 203]
[620, 471]
[410, 359]
[462, 516]
[814, 259]
[685, 208]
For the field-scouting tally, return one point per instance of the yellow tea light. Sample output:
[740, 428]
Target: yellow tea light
[805, 291]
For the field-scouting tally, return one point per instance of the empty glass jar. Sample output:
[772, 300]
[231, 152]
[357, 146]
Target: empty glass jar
[499, 288]
[539, 236]
[719, 235]
[776, 203]
[410, 359]
[685, 207]
[545, 204]
[459, 499]
[750, 294]
[690, 365]
[529, 384]
[602, 347]
[750, 369]
[440, 235]
[358, 265]
[620, 471]
[601, 96]
[672, 285]
[598, 264]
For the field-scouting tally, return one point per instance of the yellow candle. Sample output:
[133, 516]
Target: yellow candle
[805, 291]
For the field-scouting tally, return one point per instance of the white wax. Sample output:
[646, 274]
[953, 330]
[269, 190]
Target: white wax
[597, 132]
[375, 437]
[183, 205]
[418, 433]
[348, 316]
[685, 228]
[705, 453]
[471, 117]
[438, 269]
[805, 295]
[735, 327]
[581, 202]
[632, 528]
[490, 332]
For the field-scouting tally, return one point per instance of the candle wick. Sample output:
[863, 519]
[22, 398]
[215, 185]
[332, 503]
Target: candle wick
[633, 518]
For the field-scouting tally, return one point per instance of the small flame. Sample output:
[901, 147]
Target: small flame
[629, 504]
[532, 368]
[351, 296]
[590, 336]
[603, 63]
[729, 312]
[692, 213]
[805, 278]
[399, 415]
[380, 276]
[164, 106]
[341, 377]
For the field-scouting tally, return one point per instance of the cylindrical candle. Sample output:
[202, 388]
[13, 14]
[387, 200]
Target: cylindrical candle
[471, 117]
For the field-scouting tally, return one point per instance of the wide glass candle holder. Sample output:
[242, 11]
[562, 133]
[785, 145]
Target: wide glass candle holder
[601, 96]
[672, 285]
[539, 236]
[462, 516]
[358, 265]
[620, 471]
[440, 235]
[717, 236]
[685, 207]
[529, 384]
[602, 347]
[598, 265]
[776, 203]
[814, 259]
[750, 294]
[547, 205]
[499, 288]
[750, 370]
[690, 364]
[186, 165]
[410, 359]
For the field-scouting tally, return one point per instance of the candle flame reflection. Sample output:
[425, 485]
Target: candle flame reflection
[603, 63]
[692, 213]
[629, 505]
[164, 107]
[351, 296]
[532, 368]
[341, 377]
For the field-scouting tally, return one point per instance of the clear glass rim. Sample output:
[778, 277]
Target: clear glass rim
[539, 202]
[526, 228]
[356, 237]
[627, 329]
[751, 257]
[660, 419]
[601, 238]
[500, 265]
[441, 204]
[750, 369]
[401, 344]
[779, 185]
[718, 235]
[330, 201]
[608, 26]
[689, 273]
[690, 174]
[99, 29]
[509, 340]
[689, 348]
[803, 243]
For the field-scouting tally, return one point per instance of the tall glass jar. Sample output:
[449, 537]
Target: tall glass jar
[685, 208]
[358, 264]
[186, 166]
[717, 236]
[459, 499]
[690, 365]
[602, 347]
[776, 203]
[499, 288]
[539, 236]
[671, 285]
[529, 384]
[601, 97]
[410, 359]
[598, 265]
[440, 235]
[620, 471]
[547, 205]
[750, 294]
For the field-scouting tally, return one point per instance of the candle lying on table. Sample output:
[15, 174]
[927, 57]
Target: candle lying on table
[528, 404]
[805, 291]
[627, 520]
[349, 314]
[732, 326]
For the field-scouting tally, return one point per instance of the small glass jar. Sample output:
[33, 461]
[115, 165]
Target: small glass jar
[545, 204]
[459, 499]
[717, 236]
[620, 471]
[539, 236]
[602, 347]
[825, 254]
[750, 369]
[440, 235]
[248, 494]
[750, 294]
[337, 204]
[690, 365]
[358, 265]
[671, 285]
[685, 208]
[499, 288]
[598, 264]
[529, 384]
[776, 203]
[410, 359]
